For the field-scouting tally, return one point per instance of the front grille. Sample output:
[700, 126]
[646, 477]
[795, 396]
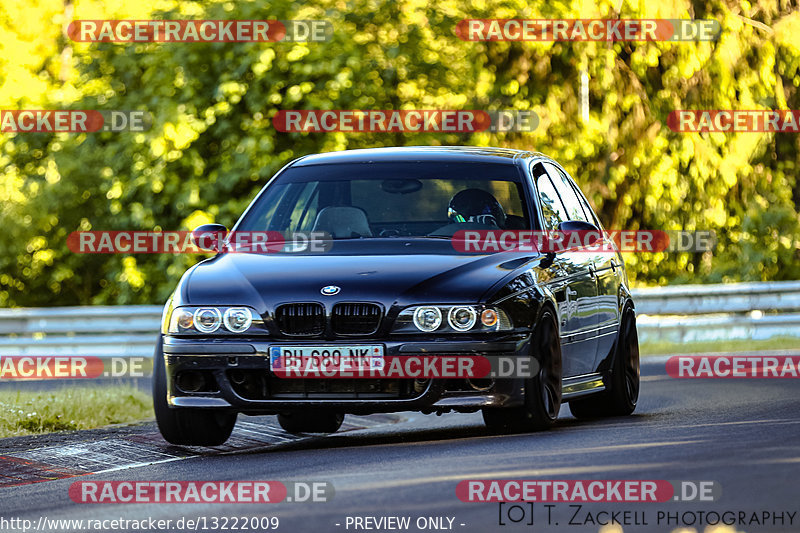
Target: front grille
[300, 319]
[356, 318]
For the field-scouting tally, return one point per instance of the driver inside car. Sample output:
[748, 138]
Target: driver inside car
[476, 205]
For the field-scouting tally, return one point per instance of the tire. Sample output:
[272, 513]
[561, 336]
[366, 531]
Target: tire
[311, 422]
[542, 392]
[184, 426]
[622, 392]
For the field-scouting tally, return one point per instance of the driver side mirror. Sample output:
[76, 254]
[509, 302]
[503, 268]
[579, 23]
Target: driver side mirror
[591, 233]
[209, 237]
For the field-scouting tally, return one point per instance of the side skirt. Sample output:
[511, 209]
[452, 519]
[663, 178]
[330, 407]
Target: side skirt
[577, 386]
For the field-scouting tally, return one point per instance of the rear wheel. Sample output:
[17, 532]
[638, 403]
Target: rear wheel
[542, 392]
[622, 391]
[188, 427]
[311, 422]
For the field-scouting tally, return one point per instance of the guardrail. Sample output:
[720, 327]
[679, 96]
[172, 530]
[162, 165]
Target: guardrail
[683, 313]
[102, 331]
[736, 311]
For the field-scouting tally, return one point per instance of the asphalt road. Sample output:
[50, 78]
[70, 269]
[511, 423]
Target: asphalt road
[742, 434]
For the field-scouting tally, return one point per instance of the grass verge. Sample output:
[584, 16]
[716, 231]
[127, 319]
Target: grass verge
[744, 345]
[26, 413]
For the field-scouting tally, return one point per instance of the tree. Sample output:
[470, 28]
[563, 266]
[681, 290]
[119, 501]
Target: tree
[212, 145]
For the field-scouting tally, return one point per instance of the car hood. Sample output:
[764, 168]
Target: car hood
[264, 281]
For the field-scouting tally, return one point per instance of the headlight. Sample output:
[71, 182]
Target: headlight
[427, 318]
[237, 319]
[218, 320]
[460, 319]
[207, 319]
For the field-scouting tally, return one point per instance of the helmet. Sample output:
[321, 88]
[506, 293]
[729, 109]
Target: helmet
[476, 205]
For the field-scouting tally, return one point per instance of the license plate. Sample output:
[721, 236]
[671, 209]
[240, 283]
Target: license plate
[315, 358]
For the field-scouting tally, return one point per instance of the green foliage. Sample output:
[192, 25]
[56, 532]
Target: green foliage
[212, 145]
[70, 408]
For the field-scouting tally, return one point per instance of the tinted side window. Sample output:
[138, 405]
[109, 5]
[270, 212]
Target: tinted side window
[572, 204]
[590, 214]
[553, 210]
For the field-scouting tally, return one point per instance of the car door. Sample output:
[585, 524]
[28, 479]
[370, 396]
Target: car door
[573, 285]
[607, 266]
[609, 271]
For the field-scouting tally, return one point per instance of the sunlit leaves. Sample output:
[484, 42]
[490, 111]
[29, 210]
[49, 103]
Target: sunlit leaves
[212, 145]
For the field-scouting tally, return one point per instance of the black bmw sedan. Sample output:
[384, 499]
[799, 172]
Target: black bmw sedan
[389, 283]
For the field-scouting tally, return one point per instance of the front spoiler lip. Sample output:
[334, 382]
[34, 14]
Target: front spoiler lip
[468, 400]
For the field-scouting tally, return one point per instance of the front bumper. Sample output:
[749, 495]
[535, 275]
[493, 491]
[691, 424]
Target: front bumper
[237, 377]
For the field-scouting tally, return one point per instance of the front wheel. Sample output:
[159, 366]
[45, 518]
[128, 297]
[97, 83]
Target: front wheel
[188, 427]
[542, 392]
[622, 392]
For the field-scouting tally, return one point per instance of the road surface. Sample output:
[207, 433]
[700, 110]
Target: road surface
[743, 435]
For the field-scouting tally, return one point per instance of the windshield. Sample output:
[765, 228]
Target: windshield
[384, 200]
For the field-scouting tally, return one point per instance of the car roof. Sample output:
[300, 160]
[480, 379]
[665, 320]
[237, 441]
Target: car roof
[460, 154]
